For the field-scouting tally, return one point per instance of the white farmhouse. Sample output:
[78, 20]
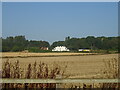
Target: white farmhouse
[60, 48]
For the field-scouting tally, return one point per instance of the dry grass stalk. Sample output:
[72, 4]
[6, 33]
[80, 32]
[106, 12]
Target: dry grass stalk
[111, 68]
[35, 70]
[110, 71]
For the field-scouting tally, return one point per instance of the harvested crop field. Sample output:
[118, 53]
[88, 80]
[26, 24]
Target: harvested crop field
[78, 66]
[22, 54]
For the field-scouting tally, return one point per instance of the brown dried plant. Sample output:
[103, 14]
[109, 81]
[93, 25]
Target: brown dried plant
[111, 72]
[36, 71]
[111, 68]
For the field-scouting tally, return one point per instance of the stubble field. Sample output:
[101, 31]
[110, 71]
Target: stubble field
[78, 66]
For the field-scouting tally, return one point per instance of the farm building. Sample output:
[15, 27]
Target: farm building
[86, 50]
[60, 48]
[44, 48]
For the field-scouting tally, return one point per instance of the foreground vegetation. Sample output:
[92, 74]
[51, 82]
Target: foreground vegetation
[79, 65]
[41, 70]
[19, 43]
[36, 71]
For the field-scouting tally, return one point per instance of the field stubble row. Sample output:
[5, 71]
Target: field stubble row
[87, 66]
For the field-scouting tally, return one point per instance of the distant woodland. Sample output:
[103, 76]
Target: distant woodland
[19, 43]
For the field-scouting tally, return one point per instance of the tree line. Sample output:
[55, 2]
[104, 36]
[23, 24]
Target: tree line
[90, 42]
[19, 43]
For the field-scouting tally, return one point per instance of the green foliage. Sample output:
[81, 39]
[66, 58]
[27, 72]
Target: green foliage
[17, 48]
[33, 49]
[38, 44]
[90, 42]
[19, 43]
[36, 49]
[59, 43]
